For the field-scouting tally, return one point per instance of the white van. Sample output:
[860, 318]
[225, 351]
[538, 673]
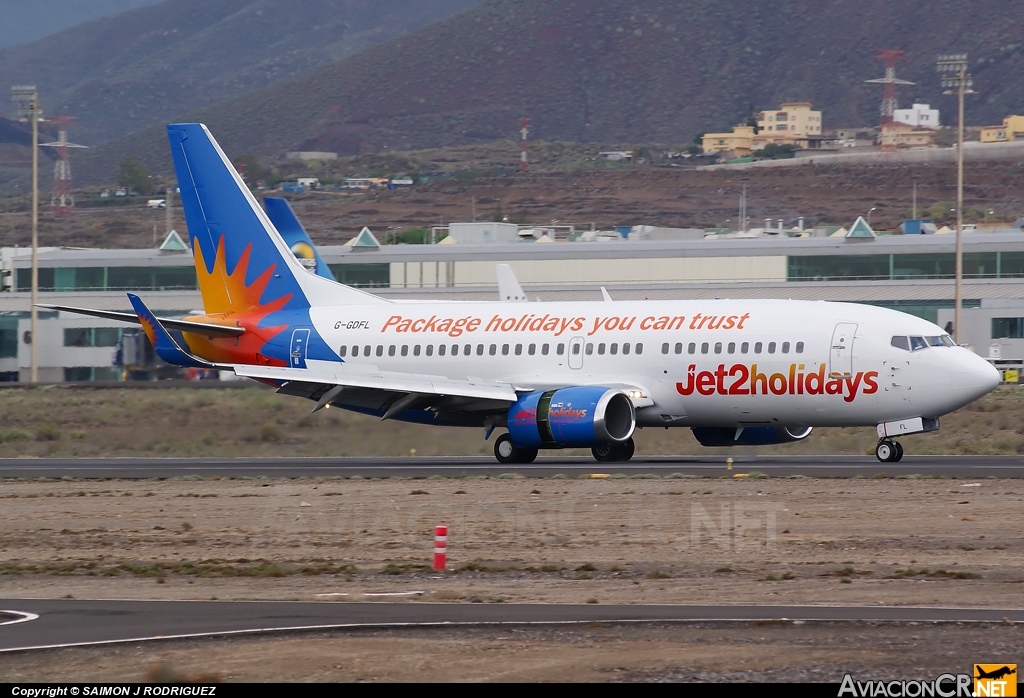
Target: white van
[156, 203]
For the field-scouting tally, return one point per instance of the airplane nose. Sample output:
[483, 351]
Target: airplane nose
[974, 378]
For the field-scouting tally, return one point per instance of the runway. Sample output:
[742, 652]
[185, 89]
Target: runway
[73, 622]
[421, 467]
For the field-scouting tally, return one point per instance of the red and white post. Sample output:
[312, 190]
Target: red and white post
[440, 547]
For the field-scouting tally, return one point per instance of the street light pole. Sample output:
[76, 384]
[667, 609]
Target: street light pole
[957, 81]
[27, 98]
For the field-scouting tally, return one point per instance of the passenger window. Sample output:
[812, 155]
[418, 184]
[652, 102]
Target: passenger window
[560, 349]
[600, 348]
[467, 350]
[917, 344]
[441, 349]
[692, 349]
[679, 348]
[504, 350]
[430, 350]
[639, 348]
[342, 352]
[455, 350]
[613, 348]
[745, 347]
[532, 350]
[544, 349]
[416, 350]
[771, 347]
[704, 348]
[575, 349]
[355, 350]
[493, 349]
[367, 349]
[664, 348]
[391, 350]
[757, 347]
[718, 347]
[785, 347]
[731, 348]
[900, 343]
[625, 347]
[590, 348]
[799, 347]
[405, 350]
[380, 350]
[479, 349]
[519, 350]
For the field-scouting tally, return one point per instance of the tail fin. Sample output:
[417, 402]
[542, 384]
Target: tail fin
[241, 260]
[295, 236]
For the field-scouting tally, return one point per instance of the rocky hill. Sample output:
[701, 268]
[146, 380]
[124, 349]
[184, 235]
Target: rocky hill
[607, 71]
[120, 73]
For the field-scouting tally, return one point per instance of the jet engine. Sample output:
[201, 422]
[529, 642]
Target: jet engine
[579, 417]
[749, 436]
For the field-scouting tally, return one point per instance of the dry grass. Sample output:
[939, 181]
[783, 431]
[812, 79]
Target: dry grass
[112, 422]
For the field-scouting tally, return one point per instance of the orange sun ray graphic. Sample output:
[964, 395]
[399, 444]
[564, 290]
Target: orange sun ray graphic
[228, 301]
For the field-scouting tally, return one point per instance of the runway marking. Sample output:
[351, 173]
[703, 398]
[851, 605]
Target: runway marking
[431, 624]
[375, 593]
[25, 617]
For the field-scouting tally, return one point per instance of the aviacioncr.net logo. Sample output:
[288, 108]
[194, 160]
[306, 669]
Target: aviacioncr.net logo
[945, 686]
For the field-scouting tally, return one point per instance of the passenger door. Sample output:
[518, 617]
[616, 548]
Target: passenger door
[841, 356]
[297, 353]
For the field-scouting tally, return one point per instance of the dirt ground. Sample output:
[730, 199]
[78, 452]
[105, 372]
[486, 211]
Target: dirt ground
[948, 542]
[83, 421]
[824, 195]
[596, 652]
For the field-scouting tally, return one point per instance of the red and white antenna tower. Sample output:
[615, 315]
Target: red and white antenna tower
[522, 145]
[889, 105]
[62, 201]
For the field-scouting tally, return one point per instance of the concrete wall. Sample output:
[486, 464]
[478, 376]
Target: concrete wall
[973, 151]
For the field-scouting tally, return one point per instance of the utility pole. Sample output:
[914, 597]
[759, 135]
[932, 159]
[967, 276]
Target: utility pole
[956, 80]
[27, 98]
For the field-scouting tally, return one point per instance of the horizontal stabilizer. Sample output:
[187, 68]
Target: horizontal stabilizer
[202, 328]
[164, 344]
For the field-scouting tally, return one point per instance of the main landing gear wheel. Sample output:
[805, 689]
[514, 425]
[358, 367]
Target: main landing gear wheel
[889, 451]
[614, 452]
[507, 452]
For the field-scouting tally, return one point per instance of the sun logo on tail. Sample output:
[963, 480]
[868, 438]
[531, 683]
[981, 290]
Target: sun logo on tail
[227, 300]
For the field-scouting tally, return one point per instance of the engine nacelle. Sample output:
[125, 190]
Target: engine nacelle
[749, 436]
[580, 417]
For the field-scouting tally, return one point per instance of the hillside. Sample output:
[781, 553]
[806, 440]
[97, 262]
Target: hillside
[120, 73]
[600, 71]
[21, 22]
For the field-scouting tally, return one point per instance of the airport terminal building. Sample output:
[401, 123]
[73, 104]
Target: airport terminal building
[911, 273]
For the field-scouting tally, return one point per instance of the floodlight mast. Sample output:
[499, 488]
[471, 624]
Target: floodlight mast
[956, 80]
[27, 98]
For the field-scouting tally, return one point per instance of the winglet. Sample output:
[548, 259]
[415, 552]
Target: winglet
[164, 344]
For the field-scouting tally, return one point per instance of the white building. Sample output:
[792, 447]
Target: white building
[921, 115]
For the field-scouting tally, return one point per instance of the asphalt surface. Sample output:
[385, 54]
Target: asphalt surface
[774, 466]
[67, 622]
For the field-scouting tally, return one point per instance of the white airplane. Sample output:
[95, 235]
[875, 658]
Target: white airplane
[553, 375]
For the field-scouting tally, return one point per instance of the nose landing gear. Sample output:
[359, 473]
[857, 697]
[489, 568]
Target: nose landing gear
[889, 451]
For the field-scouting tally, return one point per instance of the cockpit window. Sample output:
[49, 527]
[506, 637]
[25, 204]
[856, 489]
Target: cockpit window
[934, 341]
[948, 341]
[918, 343]
[900, 343]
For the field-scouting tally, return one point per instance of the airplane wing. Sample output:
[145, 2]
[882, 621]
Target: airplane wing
[201, 328]
[387, 392]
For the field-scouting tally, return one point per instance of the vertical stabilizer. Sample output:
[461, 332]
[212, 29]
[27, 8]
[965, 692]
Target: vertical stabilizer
[242, 262]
